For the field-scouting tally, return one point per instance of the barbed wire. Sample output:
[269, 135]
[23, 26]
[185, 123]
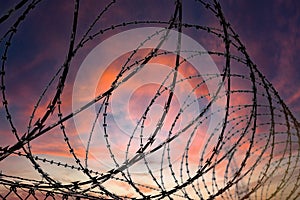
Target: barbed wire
[251, 147]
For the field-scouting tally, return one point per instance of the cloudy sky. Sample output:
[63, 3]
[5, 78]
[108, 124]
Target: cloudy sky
[269, 29]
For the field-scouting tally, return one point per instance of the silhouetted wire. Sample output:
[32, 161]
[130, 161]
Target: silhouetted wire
[267, 169]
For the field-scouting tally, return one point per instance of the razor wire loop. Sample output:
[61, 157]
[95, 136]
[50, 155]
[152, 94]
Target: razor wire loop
[240, 180]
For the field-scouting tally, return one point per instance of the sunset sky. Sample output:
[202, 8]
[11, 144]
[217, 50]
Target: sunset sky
[269, 29]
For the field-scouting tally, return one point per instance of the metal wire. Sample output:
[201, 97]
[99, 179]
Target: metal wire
[252, 153]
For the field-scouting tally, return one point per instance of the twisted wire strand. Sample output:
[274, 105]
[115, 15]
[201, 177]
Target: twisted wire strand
[263, 125]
